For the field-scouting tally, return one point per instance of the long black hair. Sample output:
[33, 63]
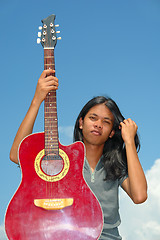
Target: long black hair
[114, 152]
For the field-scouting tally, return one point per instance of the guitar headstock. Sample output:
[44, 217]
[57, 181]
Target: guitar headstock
[48, 36]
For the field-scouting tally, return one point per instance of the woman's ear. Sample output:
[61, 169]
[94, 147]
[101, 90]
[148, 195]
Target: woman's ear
[80, 123]
[112, 133]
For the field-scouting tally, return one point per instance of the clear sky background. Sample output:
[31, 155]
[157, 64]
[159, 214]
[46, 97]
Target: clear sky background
[108, 47]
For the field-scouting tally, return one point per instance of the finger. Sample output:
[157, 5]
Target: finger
[51, 81]
[47, 72]
[49, 88]
[121, 124]
[51, 78]
[132, 122]
[135, 125]
[125, 121]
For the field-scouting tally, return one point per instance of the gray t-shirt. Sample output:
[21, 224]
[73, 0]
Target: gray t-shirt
[107, 194]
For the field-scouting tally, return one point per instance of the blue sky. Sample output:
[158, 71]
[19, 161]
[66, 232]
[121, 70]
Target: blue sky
[108, 47]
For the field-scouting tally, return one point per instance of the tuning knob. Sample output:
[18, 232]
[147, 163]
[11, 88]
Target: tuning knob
[52, 31]
[57, 31]
[57, 25]
[40, 28]
[59, 38]
[38, 40]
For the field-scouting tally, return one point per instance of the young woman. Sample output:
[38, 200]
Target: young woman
[111, 161]
[111, 146]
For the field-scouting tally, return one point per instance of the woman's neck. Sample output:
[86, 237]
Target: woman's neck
[93, 154]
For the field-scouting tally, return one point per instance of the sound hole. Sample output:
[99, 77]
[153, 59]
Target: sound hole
[52, 164]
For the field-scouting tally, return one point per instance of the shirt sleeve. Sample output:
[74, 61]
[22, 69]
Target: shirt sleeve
[121, 180]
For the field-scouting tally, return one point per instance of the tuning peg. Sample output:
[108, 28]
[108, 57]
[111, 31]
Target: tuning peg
[52, 31]
[39, 34]
[59, 38]
[40, 28]
[58, 32]
[57, 25]
[38, 40]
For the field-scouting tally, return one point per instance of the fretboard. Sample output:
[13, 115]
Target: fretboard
[50, 111]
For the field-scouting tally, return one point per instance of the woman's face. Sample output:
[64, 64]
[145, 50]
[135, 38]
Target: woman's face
[97, 125]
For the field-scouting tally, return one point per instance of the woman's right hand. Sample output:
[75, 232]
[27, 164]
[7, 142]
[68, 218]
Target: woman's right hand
[46, 83]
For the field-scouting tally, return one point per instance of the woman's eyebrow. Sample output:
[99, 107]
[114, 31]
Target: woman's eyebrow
[93, 114]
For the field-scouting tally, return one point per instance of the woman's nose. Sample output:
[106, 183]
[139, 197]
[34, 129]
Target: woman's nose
[98, 124]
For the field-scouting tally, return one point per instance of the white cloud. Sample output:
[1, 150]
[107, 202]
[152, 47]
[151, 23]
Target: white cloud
[2, 232]
[142, 222]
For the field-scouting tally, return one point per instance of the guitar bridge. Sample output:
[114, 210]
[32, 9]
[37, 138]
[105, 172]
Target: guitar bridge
[53, 204]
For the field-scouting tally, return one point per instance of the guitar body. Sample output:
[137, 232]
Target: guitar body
[27, 219]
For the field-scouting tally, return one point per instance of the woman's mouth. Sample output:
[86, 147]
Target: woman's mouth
[96, 132]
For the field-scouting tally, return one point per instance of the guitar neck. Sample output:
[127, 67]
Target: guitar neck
[50, 110]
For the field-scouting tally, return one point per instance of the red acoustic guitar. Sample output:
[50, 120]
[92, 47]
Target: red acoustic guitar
[53, 200]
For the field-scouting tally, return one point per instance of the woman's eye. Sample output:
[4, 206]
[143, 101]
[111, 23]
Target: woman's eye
[106, 122]
[93, 118]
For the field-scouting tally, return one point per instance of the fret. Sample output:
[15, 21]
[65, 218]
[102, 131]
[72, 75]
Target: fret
[49, 64]
[49, 108]
[49, 147]
[51, 137]
[51, 144]
[53, 140]
[50, 105]
[52, 114]
[49, 118]
[51, 99]
[52, 149]
[50, 131]
[48, 114]
[51, 127]
[51, 95]
[46, 57]
[54, 133]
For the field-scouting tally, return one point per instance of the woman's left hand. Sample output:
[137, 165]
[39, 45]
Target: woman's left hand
[128, 130]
